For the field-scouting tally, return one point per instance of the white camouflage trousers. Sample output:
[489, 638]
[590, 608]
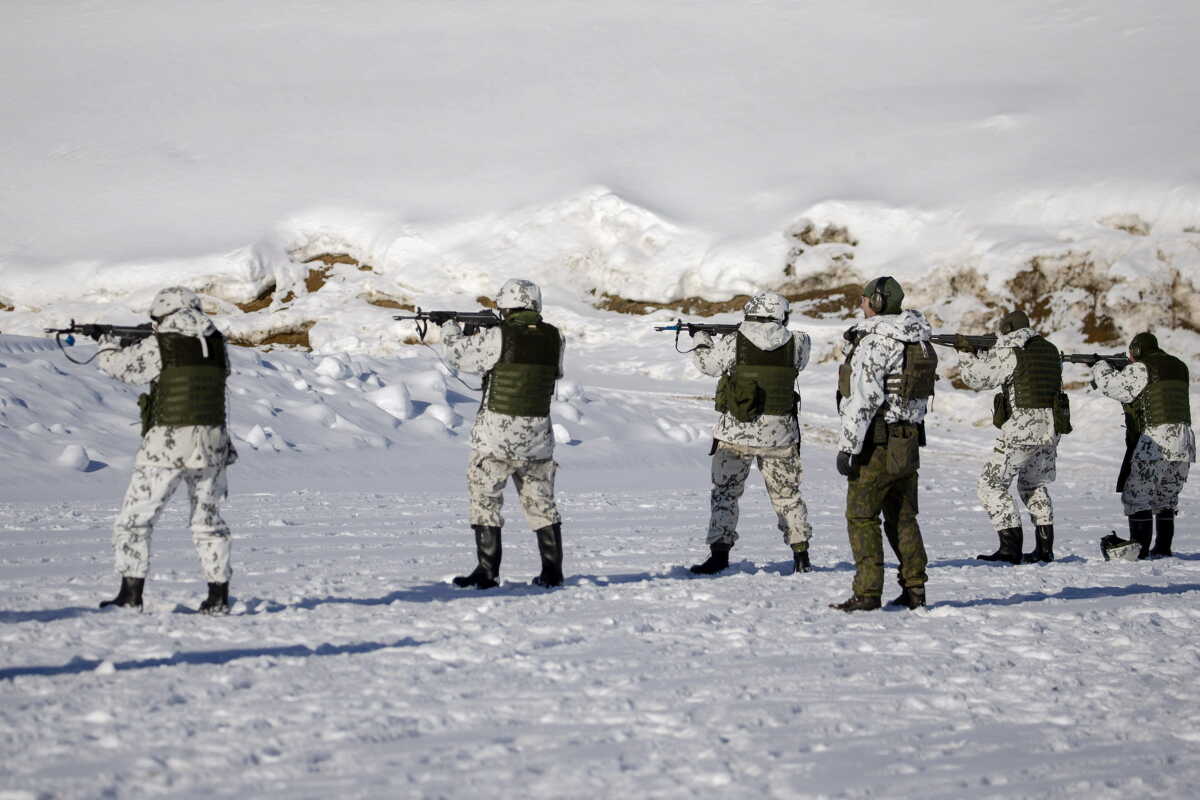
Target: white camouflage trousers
[1154, 485]
[781, 471]
[1033, 467]
[534, 480]
[149, 490]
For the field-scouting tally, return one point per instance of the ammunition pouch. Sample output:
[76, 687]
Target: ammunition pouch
[1062, 414]
[1001, 409]
[903, 448]
[844, 379]
[146, 410]
[740, 397]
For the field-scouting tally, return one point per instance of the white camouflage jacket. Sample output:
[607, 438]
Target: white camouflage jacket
[166, 447]
[1175, 442]
[1027, 427]
[499, 435]
[879, 353]
[715, 359]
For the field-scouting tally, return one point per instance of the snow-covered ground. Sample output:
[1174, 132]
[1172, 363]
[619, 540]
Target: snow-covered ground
[1040, 153]
[353, 668]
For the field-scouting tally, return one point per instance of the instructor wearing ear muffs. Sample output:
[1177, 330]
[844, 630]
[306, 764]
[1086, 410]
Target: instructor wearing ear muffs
[884, 387]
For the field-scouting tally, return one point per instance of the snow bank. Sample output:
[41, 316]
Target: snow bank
[1085, 281]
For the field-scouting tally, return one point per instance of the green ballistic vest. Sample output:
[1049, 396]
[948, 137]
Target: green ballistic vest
[914, 381]
[917, 375]
[761, 381]
[1165, 400]
[190, 390]
[1038, 377]
[522, 382]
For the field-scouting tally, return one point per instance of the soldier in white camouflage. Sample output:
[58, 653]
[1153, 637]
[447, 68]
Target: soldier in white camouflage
[884, 387]
[1028, 371]
[1160, 443]
[756, 395]
[521, 359]
[185, 442]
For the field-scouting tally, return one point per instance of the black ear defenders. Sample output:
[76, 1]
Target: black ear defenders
[878, 300]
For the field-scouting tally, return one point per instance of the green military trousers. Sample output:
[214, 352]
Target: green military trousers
[886, 483]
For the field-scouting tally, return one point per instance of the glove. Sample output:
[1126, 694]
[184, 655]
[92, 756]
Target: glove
[450, 328]
[470, 330]
[963, 345]
[702, 339]
[850, 334]
[845, 464]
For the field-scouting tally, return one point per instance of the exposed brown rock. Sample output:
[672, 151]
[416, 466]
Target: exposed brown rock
[260, 302]
[810, 296]
[329, 259]
[291, 336]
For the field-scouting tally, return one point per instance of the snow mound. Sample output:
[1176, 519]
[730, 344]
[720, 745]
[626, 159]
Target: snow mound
[75, 457]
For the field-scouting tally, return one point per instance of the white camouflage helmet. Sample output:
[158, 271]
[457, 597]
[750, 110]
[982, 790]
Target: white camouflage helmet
[519, 293]
[172, 299]
[767, 304]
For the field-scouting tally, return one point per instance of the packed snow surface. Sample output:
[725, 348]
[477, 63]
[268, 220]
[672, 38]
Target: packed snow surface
[351, 667]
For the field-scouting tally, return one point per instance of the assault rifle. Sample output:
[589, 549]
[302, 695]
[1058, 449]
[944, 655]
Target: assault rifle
[973, 343]
[693, 328]
[1116, 360]
[126, 335]
[471, 321]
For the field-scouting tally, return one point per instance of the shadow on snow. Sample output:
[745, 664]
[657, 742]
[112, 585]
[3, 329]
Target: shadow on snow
[215, 657]
[445, 592]
[1072, 593]
[46, 614]
[976, 562]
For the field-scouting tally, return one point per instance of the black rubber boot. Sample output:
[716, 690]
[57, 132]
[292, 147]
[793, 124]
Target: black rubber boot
[129, 595]
[717, 561]
[1043, 548]
[1141, 530]
[218, 600]
[1010, 547]
[549, 541]
[488, 550]
[1164, 524]
[910, 598]
[857, 602]
[800, 562]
